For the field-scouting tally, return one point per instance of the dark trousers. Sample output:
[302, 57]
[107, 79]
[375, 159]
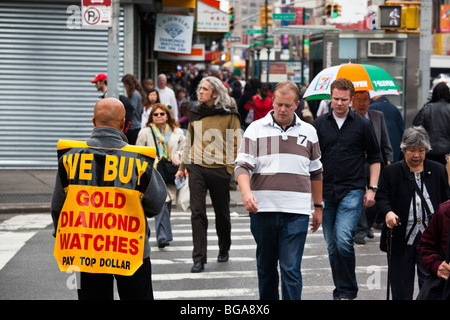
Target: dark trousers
[100, 286]
[402, 268]
[217, 181]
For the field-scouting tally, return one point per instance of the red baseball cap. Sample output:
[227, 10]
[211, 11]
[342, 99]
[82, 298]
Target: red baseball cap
[100, 76]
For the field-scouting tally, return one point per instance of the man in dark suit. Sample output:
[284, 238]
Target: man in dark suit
[394, 122]
[360, 104]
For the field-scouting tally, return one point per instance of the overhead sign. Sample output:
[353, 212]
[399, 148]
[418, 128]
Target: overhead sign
[96, 13]
[211, 19]
[253, 31]
[233, 39]
[283, 16]
[173, 33]
[197, 54]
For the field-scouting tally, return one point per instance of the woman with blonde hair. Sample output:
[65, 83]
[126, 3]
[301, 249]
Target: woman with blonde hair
[163, 132]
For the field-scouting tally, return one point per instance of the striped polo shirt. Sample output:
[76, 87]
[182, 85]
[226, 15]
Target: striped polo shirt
[281, 164]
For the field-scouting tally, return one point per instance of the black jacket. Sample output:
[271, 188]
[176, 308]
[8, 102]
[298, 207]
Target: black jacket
[435, 118]
[395, 192]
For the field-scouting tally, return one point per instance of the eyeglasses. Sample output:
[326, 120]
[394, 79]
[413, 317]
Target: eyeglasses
[162, 114]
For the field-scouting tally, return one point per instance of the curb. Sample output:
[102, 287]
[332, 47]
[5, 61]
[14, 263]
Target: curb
[25, 208]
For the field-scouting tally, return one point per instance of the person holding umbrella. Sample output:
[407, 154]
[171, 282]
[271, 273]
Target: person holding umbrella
[409, 192]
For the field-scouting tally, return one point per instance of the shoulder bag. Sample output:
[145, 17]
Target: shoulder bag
[165, 167]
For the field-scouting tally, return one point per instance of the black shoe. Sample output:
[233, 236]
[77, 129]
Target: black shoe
[223, 257]
[359, 239]
[370, 234]
[162, 245]
[198, 267]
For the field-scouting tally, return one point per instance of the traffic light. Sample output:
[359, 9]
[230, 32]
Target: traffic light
[390, 17]
[328, 9]
[266, 12]
[231, 14]
[336, 10]
[410, 17]
[269, 16]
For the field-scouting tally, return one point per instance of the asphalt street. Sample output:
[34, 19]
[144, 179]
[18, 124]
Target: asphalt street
[29, 271]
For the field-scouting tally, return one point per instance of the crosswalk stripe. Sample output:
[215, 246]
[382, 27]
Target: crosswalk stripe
[26, 221]
[205, 275]
[189, 248]
[214, 237]
[10, 243]
[158, 261]
[205, 293]
[12, 238]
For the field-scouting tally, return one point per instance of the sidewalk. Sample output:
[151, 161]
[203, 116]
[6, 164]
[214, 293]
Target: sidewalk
[25, 191]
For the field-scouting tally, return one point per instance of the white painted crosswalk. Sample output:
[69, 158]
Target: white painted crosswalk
[237, 279]
[16, 231]
[233, 280]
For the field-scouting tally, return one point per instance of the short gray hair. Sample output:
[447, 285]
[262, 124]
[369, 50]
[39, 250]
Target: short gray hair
[415, 137]
[223, 100]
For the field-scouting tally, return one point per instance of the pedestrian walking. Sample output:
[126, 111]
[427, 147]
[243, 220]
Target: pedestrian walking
[435, 118]
[135, 93]
[152, 99]
[104, 191]
[163, 132]
[261, 102]
[281, 153]
[361, 104]
[101, 84]
[213, 136]
[394, 122]
[408, 195]
[347, 141]
[167, 95]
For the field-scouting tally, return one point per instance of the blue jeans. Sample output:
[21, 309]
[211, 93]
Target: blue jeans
[339, 222]
[279, 237]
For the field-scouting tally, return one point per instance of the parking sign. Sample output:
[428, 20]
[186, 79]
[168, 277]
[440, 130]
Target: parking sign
[96, 13]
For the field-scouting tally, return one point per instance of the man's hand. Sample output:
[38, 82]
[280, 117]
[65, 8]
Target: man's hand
[316, 219]
[250, 202]
[369, 198]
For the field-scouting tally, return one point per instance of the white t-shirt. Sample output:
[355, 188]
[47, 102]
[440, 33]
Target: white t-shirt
[339, 121]
[167, 97]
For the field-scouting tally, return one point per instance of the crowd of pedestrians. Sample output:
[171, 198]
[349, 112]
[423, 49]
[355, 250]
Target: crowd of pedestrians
[349, 167]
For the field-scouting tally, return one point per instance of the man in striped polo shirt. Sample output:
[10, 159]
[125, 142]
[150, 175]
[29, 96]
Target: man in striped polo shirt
[278, 170]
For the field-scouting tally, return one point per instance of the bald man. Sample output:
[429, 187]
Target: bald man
[139, 184]
[109, 112]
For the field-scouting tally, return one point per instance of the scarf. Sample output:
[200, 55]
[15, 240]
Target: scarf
[202, 110]
[162, 141]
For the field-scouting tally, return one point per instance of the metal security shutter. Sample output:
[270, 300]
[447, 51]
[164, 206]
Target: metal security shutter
[45, 88]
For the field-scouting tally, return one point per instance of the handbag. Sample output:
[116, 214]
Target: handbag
[307, 114]
[435, 288]
[183, 196]
[165, 167]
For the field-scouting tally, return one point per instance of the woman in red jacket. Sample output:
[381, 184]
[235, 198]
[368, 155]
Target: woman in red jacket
[261, 102]
[433, 243]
